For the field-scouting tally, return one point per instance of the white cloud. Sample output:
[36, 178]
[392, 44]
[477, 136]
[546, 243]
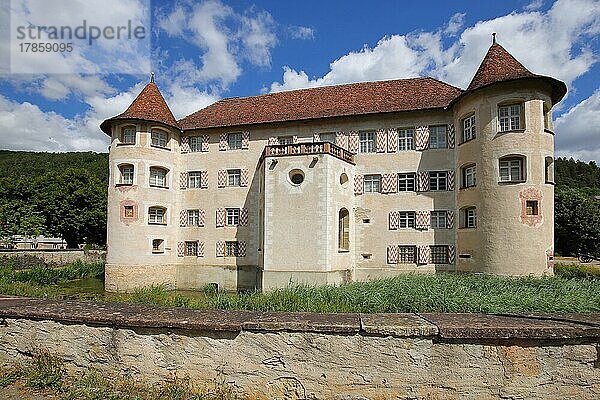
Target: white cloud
[258, 37]
[455, 24]
[301, 32]
[551, 43]
[58, 86]
[534, 5]
[185, 100]
[578, 130]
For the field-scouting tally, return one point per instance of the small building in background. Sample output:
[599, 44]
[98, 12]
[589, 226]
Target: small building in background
[40, 242]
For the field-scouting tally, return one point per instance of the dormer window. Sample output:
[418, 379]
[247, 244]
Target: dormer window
[128, 135]
[159, 138]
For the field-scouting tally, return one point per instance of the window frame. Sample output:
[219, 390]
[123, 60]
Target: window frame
[236, 175]
[191, 248]
[343, 230]
[437, 216]
[372, 179]
[469, 176]
[233, 215]
[124, 135]
[234, 141]
[407, 218]
[469, 129]
[122, 174]
[435, 252]
[160, 248]
[470, 217]
[153, 175]
[193, 217]
[194, 179]
[406, 142]
[285, 140]
[366, 144]
[405, 181]
[438, 129]
[232, 248]
[330, 135]
[128, 211]
[195, 143]
[510, 116]
[535, 208]
[155, 212]
[407, 254]
[159, 139]
[521, 169]
[440, 176]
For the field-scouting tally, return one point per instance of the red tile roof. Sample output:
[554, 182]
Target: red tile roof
[148, 106]
[327, 101]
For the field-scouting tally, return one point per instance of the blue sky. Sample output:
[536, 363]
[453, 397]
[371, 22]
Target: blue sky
[206, 50]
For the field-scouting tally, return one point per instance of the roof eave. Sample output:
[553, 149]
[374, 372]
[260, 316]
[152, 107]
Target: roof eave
[106, 124]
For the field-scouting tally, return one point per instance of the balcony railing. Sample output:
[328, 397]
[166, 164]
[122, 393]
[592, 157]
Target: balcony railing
[280, 150]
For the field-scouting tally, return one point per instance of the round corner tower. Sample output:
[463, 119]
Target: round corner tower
[505, 204]
[144, 140]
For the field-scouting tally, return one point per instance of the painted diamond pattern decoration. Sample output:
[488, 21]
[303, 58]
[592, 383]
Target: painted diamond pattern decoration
[451, 136]
[359, 183]
[393, 254]
[244, 177]
[221, 178]
[392, 140]
[202, 217]
[389, 183]
[204, 146]
[316, 137]
[220, 248]
[183, 218]
[353, 140]
[451, 180]
[381, 140]
[273, 141]
[422, 181]
[221, 217]
[341, 140]
[180, 249]
[200, 248]
[245, 140]
[242, 249]
[422, 219]
[394, 220]
[183, 180]
[222, 142]
[203, 179]
[243, 217]
[424, 255]
[185, 144]
[422, 138]
[451, 254]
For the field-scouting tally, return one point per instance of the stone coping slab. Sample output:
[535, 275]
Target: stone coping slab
[443, 326]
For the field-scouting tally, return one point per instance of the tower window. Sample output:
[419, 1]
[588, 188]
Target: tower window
[549, 169]
[158, 177]
[469, 130]
[234, 141]
[532, 207]
[127, 172]
[159, 138]
[509, 117]
[232, 249]
[128, 135]
[367, 142]
[128, 211]
[511, 169]
[193, 217]
[469, 176]
[344, 230]
[469, 217]
[437, 137]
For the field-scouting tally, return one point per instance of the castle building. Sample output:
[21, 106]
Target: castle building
[336, 184]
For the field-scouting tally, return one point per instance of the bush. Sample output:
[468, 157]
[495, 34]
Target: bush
[573, 271]
[47, 371]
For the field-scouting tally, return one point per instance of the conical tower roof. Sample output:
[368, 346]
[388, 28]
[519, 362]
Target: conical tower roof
[149, 105]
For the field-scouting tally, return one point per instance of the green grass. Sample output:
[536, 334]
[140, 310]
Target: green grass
[573, 289]
[47, 373]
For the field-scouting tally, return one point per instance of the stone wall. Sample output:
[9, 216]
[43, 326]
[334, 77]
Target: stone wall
[53, 257]
[318, 356]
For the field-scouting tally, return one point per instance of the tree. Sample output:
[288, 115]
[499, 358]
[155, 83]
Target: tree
[19, 218]
[577, 222]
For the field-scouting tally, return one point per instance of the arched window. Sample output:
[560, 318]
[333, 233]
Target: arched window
[344, 230]
[126, 173]
[128, 134]
[468, 176]
[549, 169]
[158, 177]
[512, 169]
[468, 217]
[159, 138]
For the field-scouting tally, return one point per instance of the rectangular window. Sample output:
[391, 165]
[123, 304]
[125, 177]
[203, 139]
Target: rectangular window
[372, 183]
[286, 140]
[195, 144]
[234, 177]
[439, 254]
[127, 174]
[511, 170]
[468, 128]
[532, 207]
[191, 248]
[159, 138]
[158, 177]
[406, 182]
[128, 136]
[469, 176]
[407, 219]
[232, 249]
[233, 216]
[471, 217]
[438, 219]
[156, 215]
[438, 180]
[194, 179]
[437, 137]
[407, 254]
[367, 142]
[157, 246]
[234, 141]
[509, 117]
[128, 211]
[327, 137]
[193, 217]
[406, 139]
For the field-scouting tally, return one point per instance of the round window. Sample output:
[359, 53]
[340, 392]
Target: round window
[296, 176]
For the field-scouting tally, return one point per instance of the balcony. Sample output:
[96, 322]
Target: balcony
[302, 149]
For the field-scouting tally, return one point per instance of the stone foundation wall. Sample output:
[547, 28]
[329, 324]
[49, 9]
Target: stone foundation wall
[318, 356]
[54, 257]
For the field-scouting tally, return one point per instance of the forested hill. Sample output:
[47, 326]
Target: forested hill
[15, 163]
[577, 174]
